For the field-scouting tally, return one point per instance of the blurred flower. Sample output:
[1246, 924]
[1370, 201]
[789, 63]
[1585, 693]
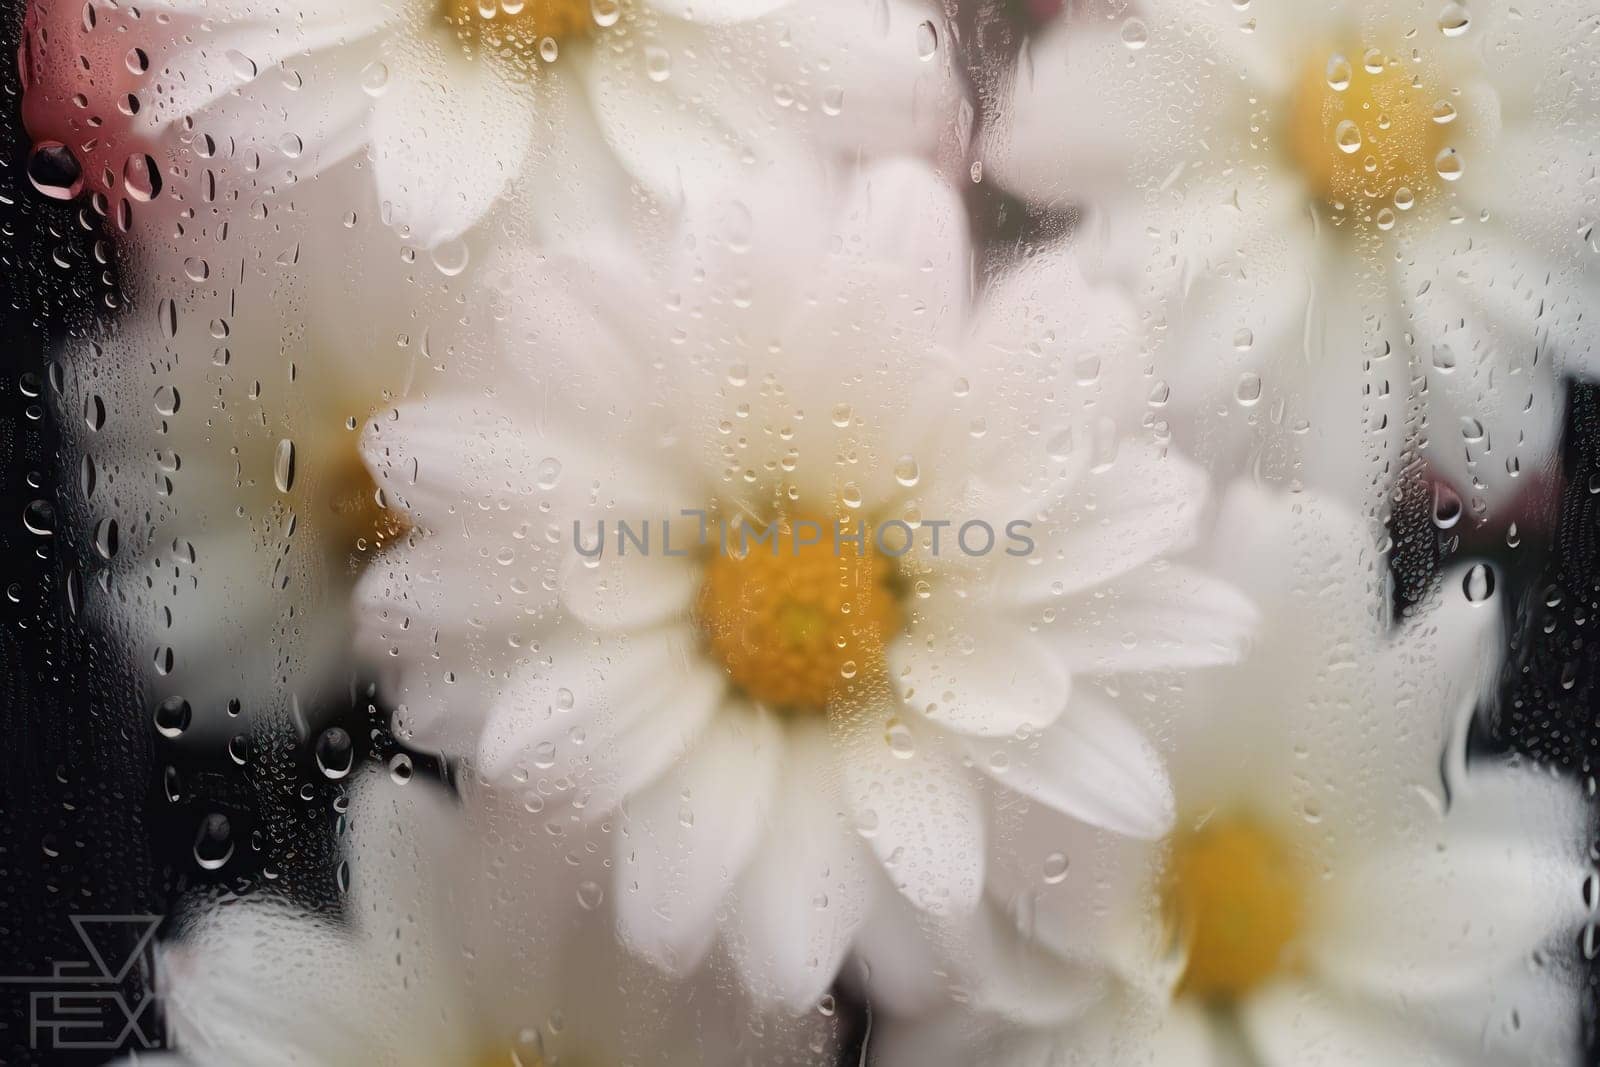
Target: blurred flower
[1366, 226]
[582, 104]
[213, 438]
[467, 939]
[1341, 886]
[796, 732]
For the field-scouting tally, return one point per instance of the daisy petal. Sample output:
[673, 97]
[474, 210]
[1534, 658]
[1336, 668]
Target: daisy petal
[1091, 764]
[984, 676]
[1143, 506]
[921, 813]
[448, 137]
[807, 890]
[625, 593]
[258, 984]
[1296, 1024]
[1159, 619]
[585, 689]
[1498, 878]
[690, 835]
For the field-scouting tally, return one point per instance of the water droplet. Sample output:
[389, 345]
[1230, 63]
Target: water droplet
[906, 471]
[244, 68]
[1055, 868]
[590, 894]
[213, 842]
[54, 171]
[1446, 506]
[1248, 391]
[167, 400]
[1478, 583]
[141, 177]
[451, 257]
[105, 538]
[1453, 20]
[1339, 73]
[335, 753]
[927, 40]
[172, 716]
[283, 466]
[39, 518]
[657, 63]
[1347, 135]
[898, 735]
[375, 78]
[1448, 165]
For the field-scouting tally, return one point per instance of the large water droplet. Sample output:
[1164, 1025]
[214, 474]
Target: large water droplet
[172, 716]
[54, 171]
[283, 466]
[213, 842]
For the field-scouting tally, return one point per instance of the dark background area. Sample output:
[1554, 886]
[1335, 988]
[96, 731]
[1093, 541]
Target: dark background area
[100, 825]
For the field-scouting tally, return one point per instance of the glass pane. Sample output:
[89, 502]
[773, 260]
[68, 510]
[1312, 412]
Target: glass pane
[583, 533]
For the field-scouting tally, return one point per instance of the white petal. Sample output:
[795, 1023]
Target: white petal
[1092, 764]
[586, 703]
[666, 724]
[1160, 618]
[1444, 664]
[1498, 320]
[858, 77]
[1143, 506]
[895, 962]
[289, 126]
[1459, 907]
[1050, 148]
[1296, 1024]
[448, 136]
[689, 836]
[1047, 308]
[921, 812]
[717, 11]
[257, 983]
[807, 890]
[628, 592]
[572, 186]
[440, 622]
[399, 839]
[978, 674]
[1283, 549]
[669, 140]
[902, 234]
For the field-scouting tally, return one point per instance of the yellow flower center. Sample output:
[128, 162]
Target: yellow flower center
[1237, 899]
[522, 29]
[796, 624]
[363, 521]
[1364, 129]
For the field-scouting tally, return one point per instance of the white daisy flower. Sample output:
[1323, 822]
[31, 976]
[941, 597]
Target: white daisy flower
[1353, 207]
[468, 939]
[794, 732]
[578, 105]
[214, 445]
[1341, 887]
